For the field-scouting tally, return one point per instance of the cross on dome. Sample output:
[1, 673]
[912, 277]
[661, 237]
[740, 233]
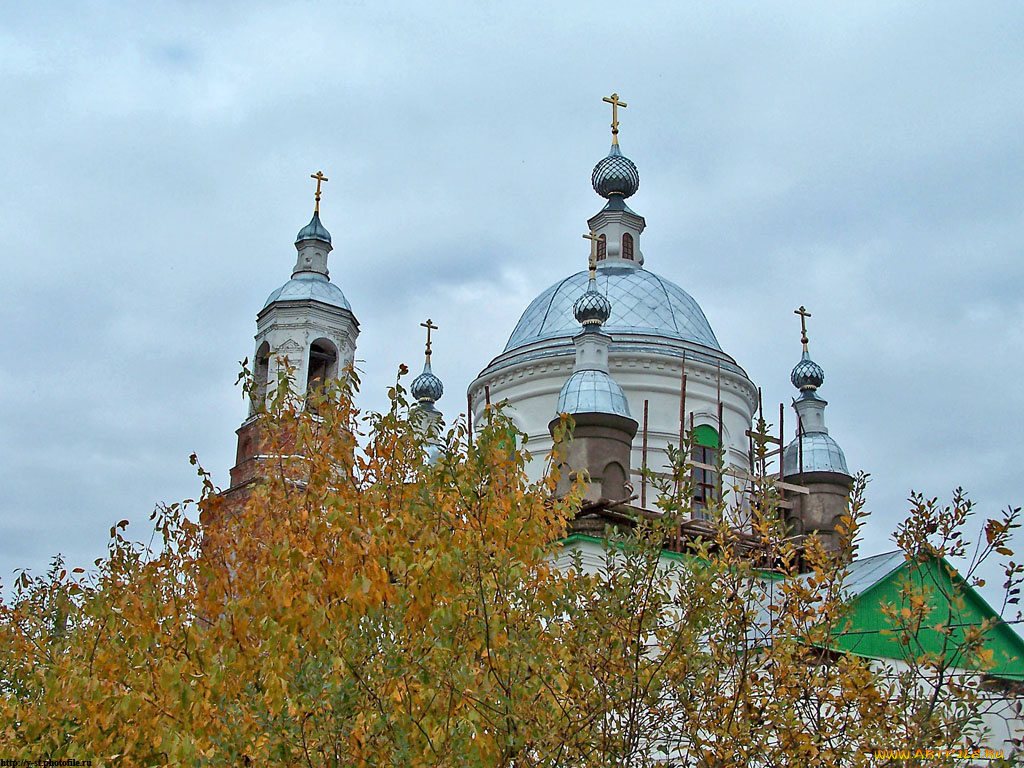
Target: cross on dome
[804, 314]
[429, 325]
[616, 174]
[807, 375]
[315, 230]
[592, 309]
[614, 101]
[320, 179]
[426, 387]
[593, 238]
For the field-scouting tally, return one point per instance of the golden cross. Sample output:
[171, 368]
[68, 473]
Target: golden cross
[804, 314]
[320, 179]
[429, 325]
[614, 101]
[593, 238]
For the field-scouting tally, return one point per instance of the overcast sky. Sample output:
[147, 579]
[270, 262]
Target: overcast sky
[863, 159]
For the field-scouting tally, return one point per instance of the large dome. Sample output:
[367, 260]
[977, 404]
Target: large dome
[306, 286]
[641, 302]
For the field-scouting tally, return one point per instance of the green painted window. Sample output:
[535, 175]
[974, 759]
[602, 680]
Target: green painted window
[706, 436]
[704, 450]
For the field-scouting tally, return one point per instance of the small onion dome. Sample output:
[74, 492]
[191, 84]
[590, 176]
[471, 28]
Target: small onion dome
[807, 375]
[314, 231]
[615, 174]
[593, 307]
[427, 387]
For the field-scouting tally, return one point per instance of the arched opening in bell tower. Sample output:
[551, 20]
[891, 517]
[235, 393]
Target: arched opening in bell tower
[323, 365]
[260, 376]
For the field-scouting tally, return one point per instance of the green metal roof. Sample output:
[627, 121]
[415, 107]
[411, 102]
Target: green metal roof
[951, 603]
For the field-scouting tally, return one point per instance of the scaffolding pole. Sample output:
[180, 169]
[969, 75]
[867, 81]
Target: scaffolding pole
[643, 477]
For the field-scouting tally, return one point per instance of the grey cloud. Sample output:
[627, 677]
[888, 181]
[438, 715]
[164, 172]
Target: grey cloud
[862, 160]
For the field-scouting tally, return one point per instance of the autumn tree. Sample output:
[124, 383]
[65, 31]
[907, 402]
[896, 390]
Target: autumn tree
[391, 595]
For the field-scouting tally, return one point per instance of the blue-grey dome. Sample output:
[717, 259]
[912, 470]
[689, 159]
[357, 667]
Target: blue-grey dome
[590, 391]
[820, 454]
[807, 374]
[314, 231]
[641, 303]
[615, 174]
[592, 308]
[306, 286]
[427, 387]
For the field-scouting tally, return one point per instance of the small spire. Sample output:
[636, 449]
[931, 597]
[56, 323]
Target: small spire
[812, 450]
[614, 101]
[615, 175]
[592, 309]
[320, 179]
[807, 375]
[804, 314]
[426, 387]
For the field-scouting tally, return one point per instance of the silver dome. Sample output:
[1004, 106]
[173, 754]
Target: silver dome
[314, 231]
[615, 174]
[427, 387]
[807, 374]
[592, 308]
[821, 454]
[310, 286]
[590, 391]
[642, 303]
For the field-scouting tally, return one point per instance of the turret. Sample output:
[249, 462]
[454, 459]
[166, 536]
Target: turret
[604, 431]
[814, 459]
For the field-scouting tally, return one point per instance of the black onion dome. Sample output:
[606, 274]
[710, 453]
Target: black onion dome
[593, 307]
[615, 174]
[807, 374]
[427, 387]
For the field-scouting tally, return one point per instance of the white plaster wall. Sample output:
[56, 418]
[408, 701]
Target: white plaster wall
[532, 388]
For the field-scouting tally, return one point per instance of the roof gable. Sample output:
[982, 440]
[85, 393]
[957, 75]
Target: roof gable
[952, 607]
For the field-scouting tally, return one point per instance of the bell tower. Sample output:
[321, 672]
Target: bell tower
[306, 324]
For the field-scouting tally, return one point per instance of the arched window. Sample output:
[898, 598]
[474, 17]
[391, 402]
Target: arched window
[613, 481]
[323, 365]
[260, 377]
[704, 446]
[627, 246]
[602, 248]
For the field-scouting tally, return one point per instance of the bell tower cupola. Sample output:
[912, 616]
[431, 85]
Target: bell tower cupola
[313, 241]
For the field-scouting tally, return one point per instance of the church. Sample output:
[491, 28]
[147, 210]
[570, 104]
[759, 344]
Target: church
[647, 356]
[631, 356]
